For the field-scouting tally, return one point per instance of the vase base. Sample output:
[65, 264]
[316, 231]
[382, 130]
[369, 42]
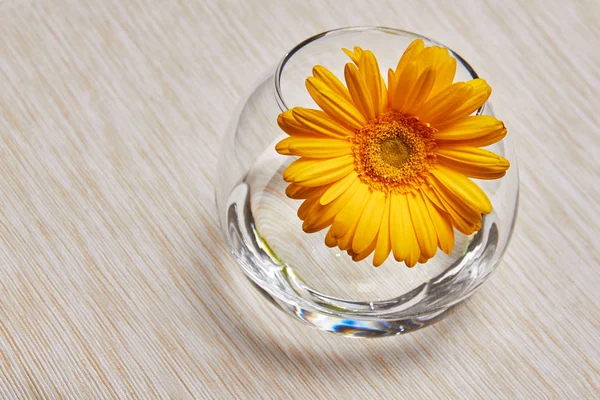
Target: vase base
[414, 309]
[358, 328]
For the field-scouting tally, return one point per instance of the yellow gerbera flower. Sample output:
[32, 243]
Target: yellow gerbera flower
[388, 168]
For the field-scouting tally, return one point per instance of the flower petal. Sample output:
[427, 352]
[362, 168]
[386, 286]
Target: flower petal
[330, 241]
[314, 222]
[391, 86]
[435, 109]
[444, 76]
[372, 76]
[289, 125]
[394, 77]
[335, 106]
[331, 81]
[429, 192]
[356, 257]
[430, 57]
[319, 148]
[283, 146]
[384, 246]
[310, 206]
[305, 207]
[320, 123]
[473, 162]
[463, 218]
[423, 225]
[325, 178]
[337, 188]
[295, 191]
[404, 85]
[410, 54]
[420, 91]
[476, 130]
[354, 55]
[350, 213]
[361, 98]
[481, 92]
[369, 223]
[351, 54]
[442, 226]
[324, 215]
[345, 242]
[316, 172]
[402, 233]
[463, 188]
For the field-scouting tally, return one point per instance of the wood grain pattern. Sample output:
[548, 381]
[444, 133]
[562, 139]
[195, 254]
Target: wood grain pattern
[115, 282]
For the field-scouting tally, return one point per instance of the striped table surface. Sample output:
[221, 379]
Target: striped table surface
[115, 280]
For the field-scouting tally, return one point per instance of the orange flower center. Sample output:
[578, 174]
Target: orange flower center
[394, 152]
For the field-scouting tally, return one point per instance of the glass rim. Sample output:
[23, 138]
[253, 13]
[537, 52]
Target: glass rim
[352, 29]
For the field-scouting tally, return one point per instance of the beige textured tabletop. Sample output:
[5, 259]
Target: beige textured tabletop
[114, 278]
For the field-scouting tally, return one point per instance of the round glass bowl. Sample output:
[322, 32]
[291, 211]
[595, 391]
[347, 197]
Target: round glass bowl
[295, 270]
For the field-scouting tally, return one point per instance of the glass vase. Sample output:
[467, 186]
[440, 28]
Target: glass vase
[295, 270]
